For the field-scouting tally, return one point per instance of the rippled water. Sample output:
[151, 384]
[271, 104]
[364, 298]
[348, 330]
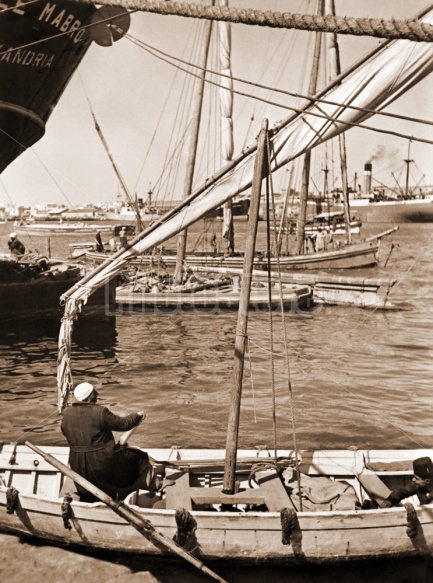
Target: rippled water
[358, 377]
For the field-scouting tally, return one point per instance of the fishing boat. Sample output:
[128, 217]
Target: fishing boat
[223, 505]
[148, 294]
[33, 284]
[332, 222]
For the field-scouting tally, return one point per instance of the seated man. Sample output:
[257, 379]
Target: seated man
[15, 245]
[116, 470]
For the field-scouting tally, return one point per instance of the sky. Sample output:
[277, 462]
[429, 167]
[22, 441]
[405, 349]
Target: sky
[140, 101]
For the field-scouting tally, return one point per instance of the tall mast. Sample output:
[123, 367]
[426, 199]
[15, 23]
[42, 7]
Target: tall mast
[260, 167]
[195, 127]
[408, 162]
[307, 158]
[226, 107]
[335, 70]
[122, 182]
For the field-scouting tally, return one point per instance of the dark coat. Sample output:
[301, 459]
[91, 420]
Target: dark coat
[16, 247]
[94, 454]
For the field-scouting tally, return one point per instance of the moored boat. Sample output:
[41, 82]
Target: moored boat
[265, 522]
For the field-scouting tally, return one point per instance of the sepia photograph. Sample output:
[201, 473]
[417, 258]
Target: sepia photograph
[216, 332]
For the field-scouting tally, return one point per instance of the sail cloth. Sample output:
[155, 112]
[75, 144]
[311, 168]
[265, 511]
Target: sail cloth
[226, 106]
[374, 84]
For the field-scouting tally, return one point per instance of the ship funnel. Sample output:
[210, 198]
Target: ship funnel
[367, 177]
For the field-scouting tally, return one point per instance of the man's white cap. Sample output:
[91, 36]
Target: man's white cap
[13, 235]
[82, 391]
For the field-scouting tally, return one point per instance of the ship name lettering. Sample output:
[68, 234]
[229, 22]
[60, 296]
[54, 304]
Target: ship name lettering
[28, 58]
[16, 10]
[63, 21]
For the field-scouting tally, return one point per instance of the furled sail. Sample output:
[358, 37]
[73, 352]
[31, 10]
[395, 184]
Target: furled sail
[380, 79]
[226, 106]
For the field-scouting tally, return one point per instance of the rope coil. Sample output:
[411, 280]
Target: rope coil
[185, 526]
[289, 521]
[67, 511]
[12, 500]
[412, 520]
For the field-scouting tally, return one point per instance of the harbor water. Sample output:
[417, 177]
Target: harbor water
[357, 377]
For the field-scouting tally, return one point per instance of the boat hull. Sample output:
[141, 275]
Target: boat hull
[64, 229]
[41, 298]
[404, 211]
[364, 254]
[247, 537]
[293, 298]
[38, 73]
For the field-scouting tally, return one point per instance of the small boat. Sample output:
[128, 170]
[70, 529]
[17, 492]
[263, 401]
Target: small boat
[215, 295]
[33, 285]
[265, 521]
[61, 228]
[332, 222]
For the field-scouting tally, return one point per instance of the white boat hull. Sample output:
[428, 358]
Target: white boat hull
[227, 536]
[64, 228]
[402, 211]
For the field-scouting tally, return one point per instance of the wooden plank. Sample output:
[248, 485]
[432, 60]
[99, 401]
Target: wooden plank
[178, 495]
[216, 496]
[276, 496]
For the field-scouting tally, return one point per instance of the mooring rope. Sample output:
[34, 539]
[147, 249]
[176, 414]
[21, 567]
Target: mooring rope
[409, 29]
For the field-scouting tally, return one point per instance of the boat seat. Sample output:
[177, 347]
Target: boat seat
[271, 492]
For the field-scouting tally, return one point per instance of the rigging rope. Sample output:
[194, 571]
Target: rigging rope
[296, 110]
[376, 27]
[286, 345]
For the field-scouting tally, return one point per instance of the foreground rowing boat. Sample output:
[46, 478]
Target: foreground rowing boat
[251, 526]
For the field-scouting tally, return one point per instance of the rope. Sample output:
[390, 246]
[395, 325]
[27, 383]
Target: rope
[389, 29]
[289, 521]
[185, 526]
[269, 194]
[67, 512]
[12, 500]
[412, 520]
[286, 348]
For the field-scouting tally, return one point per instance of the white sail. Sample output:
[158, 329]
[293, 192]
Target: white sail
[226, 106]
[373, 85]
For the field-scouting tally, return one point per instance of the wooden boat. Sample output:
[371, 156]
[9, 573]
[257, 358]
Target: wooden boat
[363, 254]
[215, 298]
[33, 285]
[327, 289]
[256, 535]
[332, 222]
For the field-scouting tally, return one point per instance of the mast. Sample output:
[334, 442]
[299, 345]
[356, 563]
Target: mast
[307, 157]
[122, 182]
[335, 71]
[260, 167]
[408, 162]
[226, 107]
[195, 127]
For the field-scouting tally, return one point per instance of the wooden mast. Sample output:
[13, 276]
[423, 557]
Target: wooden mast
[335, 70]
[260, 167]
[307, 158]
[195, 127]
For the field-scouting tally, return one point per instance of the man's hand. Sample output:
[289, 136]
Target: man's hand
[142, 415]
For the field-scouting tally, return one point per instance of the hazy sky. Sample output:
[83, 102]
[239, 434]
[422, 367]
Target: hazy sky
[137, 100]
